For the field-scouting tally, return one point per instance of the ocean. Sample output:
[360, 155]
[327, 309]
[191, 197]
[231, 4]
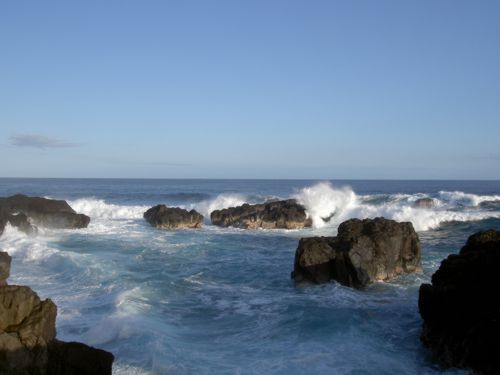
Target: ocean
[220, 300]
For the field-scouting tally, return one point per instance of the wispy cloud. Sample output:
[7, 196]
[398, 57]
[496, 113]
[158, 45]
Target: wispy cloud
[39, 141]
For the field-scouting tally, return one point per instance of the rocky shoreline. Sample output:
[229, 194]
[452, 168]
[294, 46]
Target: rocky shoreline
[459, 309]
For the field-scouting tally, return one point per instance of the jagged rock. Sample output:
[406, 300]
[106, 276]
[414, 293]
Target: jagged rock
[363, 251]
[5, 261]
[27, 337]
[20, 221]
[164, 217]
[424, 203]
[461, 309]
[27, 325]
[40, 211]
[287, 214]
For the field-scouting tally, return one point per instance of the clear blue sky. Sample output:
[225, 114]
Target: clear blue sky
[250, 89]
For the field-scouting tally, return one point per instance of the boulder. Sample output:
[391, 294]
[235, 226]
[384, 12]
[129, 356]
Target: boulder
[287, 214]
[164, 217]
[424, 203]
[461, 308]
[43, 212]
[27, 337]
[364, 251]
[5, 261]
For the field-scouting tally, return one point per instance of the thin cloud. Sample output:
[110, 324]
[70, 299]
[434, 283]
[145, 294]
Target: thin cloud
[39, 141]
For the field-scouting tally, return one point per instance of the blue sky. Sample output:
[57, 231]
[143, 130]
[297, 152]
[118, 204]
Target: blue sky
[250, 89]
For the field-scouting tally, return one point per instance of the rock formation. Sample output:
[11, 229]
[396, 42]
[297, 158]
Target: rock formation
[164, 217]
[461, 309]
[23, 211]
[424, 203]
[27, 336]
[287, 214]
[363, 251]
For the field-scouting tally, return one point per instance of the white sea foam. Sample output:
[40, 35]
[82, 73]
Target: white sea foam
[99, 209]
[465, 199]
[323, 202]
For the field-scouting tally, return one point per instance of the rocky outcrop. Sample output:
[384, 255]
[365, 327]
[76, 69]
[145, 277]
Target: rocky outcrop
[164, 217]
[424, 203]
[23, 211]
[461, 309]
[363, 251]
[287, 214]
[27, 337]
[5, 261]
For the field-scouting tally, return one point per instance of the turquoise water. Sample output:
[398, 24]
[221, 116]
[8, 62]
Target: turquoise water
[220, 300]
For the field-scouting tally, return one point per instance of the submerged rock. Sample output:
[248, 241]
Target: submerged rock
[363, 251]
[287, 214]
[461, 309]
[164, 217]
[23, 211]
[27, 337]
[424, 203]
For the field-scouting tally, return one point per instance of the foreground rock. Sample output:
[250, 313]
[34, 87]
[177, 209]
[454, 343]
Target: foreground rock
[461, 309]
[363, 251]
[27, 337]
[164, 217]
[287, 214]
[22, 211]
[424, 203]
[5, 261]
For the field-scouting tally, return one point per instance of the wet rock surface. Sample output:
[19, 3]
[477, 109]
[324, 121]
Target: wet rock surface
[461, 308]
[164, 217]
[287, 214]
[364, 251]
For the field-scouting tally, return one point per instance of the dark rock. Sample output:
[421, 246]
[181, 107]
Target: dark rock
[363, 251]
[287, 214]
[75, 358]
[461, 309]
[424, 203]
[20, 221]
[164, 217]
[40, 211]
[27, 337]
[5, 261]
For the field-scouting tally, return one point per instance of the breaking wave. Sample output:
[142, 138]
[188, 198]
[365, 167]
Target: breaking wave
[329, 206]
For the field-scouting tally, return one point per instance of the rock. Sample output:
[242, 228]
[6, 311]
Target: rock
[287, 214]
[461, 309]
[27, 337]
[27, 325]
[424, 203]
[5, 261]
[20, 221]
[43, 212]
[75, 358]
[363, 251]
[164, 217]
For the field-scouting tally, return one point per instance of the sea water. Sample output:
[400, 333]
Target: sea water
[220, 300]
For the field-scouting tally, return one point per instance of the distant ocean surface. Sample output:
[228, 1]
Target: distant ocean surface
[220, 300]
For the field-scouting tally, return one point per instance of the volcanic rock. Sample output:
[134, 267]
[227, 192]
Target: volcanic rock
[5, 261]
[27, 337]
[363, 251]
[43, 212]
[461, 309]
[287, 214]
[164, 217]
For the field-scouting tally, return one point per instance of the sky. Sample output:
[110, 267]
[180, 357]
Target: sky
[353, 89]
